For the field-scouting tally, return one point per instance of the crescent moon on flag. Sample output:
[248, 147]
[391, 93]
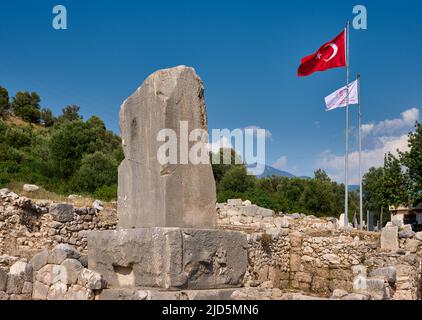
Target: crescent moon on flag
[335, 50]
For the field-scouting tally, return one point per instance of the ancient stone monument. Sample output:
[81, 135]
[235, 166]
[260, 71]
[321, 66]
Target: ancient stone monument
[166, 235]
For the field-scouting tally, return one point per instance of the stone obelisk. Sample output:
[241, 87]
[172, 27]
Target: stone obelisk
[170, 195]
[166, 236]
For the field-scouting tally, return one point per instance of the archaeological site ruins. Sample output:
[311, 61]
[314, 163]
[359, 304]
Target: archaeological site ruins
[167, 238]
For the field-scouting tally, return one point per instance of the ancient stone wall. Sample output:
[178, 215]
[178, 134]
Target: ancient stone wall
[316, 256]
[29, 226]
[288, 255]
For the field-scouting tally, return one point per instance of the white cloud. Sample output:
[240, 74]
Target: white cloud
[379, 139]
[281, 163]
[223, 143]
[268, 133]
[392, 126]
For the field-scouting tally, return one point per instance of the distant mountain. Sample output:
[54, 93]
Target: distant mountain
[305, 178]
[270, 171]
[353, 188]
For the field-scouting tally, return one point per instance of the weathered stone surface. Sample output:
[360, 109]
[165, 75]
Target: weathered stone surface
[234, 202]
[22, 269]
[170, 258]
[61, 252]
[418, 236]
[338, 294]
[3, 296]
[3, 280]
[27, 287]
[389, 239]
[377, 289]
[77, 292]
[355, 296]
[412, 245]
[331, 258]
[388, 274]
[40, 291]
[98, 205]
[57, 291]
[39, 260]
[406, 232]
[91, 279]
[155, 195]
[141, 294]
[62, 212]
[14, 284]
[30, 188]
[73, 268]
[51, 274]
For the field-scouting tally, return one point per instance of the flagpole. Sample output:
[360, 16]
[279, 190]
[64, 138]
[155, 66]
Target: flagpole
[346, 196]
[360, 155]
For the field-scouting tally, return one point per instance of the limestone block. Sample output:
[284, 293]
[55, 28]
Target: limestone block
[57, 291]
[51, 274]
[62, 212]
[338, 294]
[40, 291]
[73, 268]
[3, 280]
[136, 294]
[169, 258]
[234, 202]
[14, 284]
[22, 269]
[27, 288]
[92, 280]
[77, 292]
[61, 252]
[30, 188]
[39, 260]
[389, 239]
[388, 274]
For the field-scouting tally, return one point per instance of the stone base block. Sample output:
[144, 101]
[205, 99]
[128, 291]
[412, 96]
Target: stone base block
[147, 294]
[169, 258]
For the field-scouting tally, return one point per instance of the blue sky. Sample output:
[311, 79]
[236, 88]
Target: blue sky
[247, 53]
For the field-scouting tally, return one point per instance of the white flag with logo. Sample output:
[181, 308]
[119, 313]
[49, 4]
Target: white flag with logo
[338, 99]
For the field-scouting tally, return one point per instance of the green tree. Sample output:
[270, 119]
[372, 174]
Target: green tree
[221, 168]
[321, 175]
[27, 106]
[317, 197]
[97, 170]
[394, 189]
[412, 160]
[47, 117]
[70, 113]
[97, 123]
[372, 186]
[237, 180]
[68, 144]
[4, 102]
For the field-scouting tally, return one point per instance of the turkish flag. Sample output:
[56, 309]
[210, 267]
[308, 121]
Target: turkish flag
[330, 55]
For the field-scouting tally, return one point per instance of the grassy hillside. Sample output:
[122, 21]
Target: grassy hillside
[71, 156]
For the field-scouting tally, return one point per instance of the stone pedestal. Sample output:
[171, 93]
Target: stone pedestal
[142, 294]
[169, 258]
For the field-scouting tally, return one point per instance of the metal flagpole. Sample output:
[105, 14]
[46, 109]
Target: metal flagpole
[346, 196]
[360, 156]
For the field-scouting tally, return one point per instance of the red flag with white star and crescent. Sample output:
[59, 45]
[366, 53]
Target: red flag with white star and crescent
[330, 55]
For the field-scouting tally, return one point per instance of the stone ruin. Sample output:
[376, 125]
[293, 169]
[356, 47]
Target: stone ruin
[235, 250]
[166, 237]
